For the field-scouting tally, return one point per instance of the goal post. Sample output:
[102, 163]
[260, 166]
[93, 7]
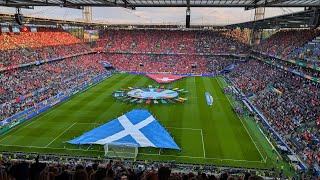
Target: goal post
[123, 150]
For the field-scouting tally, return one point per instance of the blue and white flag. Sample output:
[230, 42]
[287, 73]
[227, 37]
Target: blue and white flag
[136, 127]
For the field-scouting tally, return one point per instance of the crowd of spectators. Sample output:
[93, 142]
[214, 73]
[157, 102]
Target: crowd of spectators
[174, 41]
[77, 169]
[44, 37]
[221, 41]
[176, 64]
[283, 42]
[308, 70]
[292, 112]
[300, 45]
[25, 47]
[48, 43]
[54, 76]
[309, 52]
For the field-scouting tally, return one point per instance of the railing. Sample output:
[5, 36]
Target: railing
[47, 104]
[43, 61]
[265, 123]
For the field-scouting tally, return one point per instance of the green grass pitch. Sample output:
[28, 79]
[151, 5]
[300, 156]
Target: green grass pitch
[207, 134]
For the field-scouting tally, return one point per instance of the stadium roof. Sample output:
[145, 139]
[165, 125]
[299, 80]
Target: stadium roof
[34, 20]
[162, 3]
[293, 20]
[9, 18]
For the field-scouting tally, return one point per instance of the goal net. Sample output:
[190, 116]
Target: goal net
[123, 150]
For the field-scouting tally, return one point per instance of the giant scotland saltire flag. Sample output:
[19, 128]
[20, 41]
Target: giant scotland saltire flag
[136, 127]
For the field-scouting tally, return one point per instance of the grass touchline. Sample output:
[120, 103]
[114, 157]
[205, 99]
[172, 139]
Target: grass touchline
[207, 134]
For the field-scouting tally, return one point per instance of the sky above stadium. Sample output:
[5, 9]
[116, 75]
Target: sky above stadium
[155, 15]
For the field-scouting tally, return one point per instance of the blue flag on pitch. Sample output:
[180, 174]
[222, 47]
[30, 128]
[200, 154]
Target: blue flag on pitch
[136, 127]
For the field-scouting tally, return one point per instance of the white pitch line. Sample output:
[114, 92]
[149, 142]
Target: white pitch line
[49, 111]
[240, 160]
[87, 123]
[204, 150]
[61, 134]
[191, 157]
[38, 147]
[251, 138]
[28, 124]
[38, 116]
[244, 127]
[17, 131]
[184, 128]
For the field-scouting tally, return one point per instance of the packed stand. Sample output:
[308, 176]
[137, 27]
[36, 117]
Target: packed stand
[302, 45]
[309, 52]
[165, 63]
[44, 37]
[46, 80]
[284, 42]
[292, 109]
[174, 41]
[220, 42]
[76, 169]
[25, 47]
[307, 70]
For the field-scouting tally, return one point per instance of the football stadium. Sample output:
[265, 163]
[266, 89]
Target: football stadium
[94, 99]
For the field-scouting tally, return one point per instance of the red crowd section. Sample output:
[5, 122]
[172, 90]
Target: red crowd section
[26, 47]
[293, 113]
[181, 64]
[54, 76]
[174, 41]
[44, 37]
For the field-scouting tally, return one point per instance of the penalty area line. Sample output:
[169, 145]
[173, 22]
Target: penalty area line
[184, 128]
[204, 150]
[88, 123]
[61, 134]
[201, 133]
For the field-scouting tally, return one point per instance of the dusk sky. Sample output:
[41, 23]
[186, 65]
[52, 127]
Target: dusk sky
[155, 15]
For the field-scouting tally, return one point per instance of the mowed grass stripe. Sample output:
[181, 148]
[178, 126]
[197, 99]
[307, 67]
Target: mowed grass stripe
[239, 141]
[54, 121]
[238, 136]
[249, 147]
[37, 125]
[97, 106]
[212, 124]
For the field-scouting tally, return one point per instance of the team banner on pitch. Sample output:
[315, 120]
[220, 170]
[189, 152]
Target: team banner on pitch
[164, 78]
[135, 127]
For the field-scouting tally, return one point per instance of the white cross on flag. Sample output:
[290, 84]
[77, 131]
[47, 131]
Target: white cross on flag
[136, 127]
[164, 78]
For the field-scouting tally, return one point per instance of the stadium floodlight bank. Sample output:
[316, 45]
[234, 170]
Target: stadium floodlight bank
[123, 150]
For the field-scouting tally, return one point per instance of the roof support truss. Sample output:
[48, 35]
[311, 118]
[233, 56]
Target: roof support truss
[163, 3]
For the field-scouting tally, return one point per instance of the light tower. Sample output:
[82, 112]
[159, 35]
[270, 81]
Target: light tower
[256, 31]
[188, 14]
[87, 14]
